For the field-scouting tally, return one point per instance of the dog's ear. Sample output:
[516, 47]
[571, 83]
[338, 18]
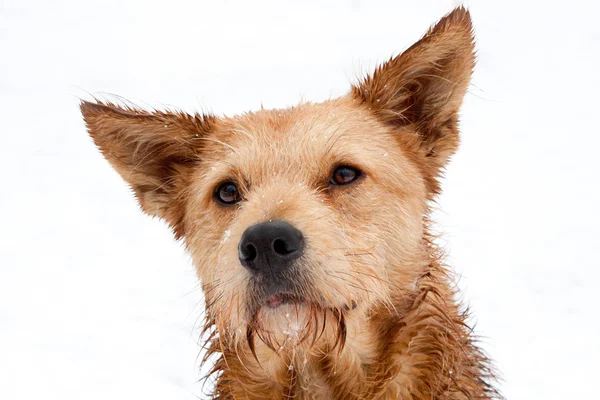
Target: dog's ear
[424, 86]
[152, 151]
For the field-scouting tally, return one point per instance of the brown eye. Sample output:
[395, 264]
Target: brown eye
[344, 175]
[228, 193]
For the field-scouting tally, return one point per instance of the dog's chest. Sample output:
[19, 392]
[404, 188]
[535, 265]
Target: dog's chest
[311, 384]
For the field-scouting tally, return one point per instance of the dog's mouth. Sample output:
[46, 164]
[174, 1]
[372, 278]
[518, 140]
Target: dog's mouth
[283, 294]
[277, 299]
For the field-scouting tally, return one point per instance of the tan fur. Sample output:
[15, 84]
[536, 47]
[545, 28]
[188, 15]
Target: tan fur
[379, 318]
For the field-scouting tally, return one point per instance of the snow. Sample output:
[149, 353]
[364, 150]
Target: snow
[97, 301]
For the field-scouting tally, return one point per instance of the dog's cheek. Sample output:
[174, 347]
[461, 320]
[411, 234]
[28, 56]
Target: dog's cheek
[401, 224]
[211, 240]
[384, 222]
[225, 288]
[339, 259]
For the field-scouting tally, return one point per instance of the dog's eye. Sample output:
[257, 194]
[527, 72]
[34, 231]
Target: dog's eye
[344, 175]
[228, 193]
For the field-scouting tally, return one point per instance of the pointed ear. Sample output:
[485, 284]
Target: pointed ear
[423, 87]
[152, 151]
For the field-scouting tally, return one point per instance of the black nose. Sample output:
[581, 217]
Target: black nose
[270, 247]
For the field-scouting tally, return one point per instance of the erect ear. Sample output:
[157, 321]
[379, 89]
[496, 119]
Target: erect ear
[424, 86]
[152, 151]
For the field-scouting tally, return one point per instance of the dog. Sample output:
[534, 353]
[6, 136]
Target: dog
[309, 230]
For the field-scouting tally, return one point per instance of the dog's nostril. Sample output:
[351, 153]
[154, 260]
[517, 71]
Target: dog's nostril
[248, 253]
[281, 247]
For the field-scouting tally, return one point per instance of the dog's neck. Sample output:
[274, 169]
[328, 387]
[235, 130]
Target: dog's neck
[421, 349]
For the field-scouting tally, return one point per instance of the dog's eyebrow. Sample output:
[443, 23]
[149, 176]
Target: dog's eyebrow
[333, 135]
[210, 139]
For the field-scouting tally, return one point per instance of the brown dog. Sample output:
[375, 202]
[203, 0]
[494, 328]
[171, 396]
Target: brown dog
[308, 228]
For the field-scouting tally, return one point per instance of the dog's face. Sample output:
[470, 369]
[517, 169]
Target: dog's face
[303, 209]
[293, 216]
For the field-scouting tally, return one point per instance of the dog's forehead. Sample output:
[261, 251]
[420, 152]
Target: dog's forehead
[302, 139]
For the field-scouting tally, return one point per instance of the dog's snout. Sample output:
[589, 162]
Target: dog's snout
[270, 247]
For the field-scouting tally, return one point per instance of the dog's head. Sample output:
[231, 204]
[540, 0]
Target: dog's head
[293, 215]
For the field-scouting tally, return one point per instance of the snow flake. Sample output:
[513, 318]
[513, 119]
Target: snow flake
[226, 236]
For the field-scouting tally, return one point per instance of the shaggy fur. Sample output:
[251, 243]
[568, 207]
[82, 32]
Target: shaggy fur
[375, 314]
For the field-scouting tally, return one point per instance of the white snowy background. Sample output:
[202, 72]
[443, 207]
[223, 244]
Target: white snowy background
[97, 301]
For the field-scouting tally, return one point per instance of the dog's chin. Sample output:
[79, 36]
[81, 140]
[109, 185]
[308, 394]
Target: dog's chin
[285, 322]
[282, 320]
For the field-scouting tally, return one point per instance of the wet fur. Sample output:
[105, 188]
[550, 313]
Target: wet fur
[379, 317]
